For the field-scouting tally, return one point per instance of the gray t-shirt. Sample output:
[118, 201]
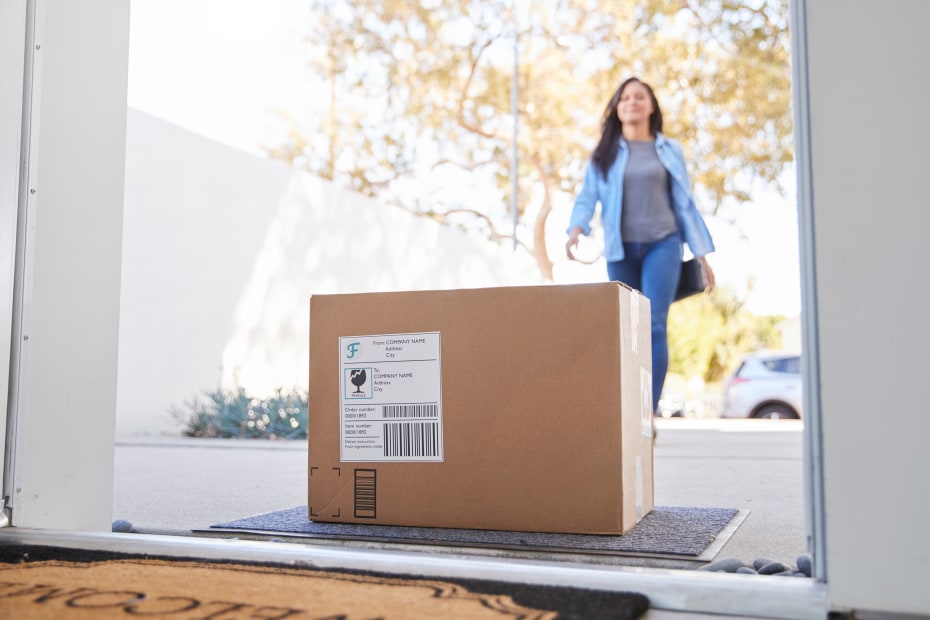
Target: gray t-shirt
[647, 211]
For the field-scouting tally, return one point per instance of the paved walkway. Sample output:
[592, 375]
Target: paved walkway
[175, 485]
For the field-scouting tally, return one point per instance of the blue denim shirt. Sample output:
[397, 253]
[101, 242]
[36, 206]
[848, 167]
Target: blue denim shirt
[609, 192]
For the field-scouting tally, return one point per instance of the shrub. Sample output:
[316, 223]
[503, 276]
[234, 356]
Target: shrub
[231, 413]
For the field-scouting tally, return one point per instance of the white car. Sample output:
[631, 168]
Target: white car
[766, 385]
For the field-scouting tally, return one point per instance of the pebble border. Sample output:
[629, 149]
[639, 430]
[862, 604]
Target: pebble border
[762, 566]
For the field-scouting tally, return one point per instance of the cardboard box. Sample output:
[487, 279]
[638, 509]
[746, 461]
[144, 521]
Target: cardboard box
[520, 408]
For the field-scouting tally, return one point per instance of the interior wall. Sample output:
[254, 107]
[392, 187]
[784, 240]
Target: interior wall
[66, 370]
[869, 93]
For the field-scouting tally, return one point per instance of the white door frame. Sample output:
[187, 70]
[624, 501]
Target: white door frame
[13, 28]
[60, 508]
[813, 446]
[63, 322]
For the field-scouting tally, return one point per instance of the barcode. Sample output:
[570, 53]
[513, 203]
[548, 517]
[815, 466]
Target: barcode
[366, 493]
[411, 439]
[410, 411]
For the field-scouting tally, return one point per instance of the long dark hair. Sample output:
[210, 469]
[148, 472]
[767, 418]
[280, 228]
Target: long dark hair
[611, 128]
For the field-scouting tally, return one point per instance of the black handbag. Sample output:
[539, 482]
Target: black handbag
[693, 280]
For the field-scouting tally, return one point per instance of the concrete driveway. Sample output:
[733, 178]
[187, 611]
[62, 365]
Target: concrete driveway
[175, 485]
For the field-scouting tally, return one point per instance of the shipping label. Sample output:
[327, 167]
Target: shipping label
[390, 390]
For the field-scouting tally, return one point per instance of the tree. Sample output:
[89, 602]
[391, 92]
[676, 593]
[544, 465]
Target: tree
[708, 333]
[420, 99]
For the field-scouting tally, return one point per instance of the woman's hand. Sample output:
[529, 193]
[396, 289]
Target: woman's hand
[709, 273]
[572, 242]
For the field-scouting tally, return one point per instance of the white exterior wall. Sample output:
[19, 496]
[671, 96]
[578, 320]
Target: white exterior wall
[870, 125]
[66, 369]
[222, 251]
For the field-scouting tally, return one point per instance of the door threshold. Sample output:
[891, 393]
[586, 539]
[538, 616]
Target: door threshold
[788, 598]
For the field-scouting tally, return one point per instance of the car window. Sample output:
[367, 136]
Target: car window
[784, 364]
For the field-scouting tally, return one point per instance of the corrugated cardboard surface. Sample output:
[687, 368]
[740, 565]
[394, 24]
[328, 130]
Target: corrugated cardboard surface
[545, 427]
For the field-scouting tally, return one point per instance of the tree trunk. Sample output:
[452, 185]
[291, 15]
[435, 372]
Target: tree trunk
[540, 253]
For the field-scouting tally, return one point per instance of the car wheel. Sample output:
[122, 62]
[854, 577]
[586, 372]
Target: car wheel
[775, 412]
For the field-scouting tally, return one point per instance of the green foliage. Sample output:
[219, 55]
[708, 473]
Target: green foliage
[707, 335]
[231, 413]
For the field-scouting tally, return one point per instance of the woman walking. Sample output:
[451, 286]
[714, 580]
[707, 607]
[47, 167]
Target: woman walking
[639, 178]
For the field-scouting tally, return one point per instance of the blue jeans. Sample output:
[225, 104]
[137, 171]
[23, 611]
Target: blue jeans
[653, 269]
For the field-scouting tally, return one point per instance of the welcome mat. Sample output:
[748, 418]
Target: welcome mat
[667, 531]
[40, 583]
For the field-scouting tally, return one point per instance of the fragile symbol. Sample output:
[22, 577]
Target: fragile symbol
[358, 377]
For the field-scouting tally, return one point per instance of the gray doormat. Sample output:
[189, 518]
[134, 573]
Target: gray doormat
[667, 531]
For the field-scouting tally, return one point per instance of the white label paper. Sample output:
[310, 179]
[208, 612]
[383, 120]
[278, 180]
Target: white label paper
[645, 388]
[390, 390]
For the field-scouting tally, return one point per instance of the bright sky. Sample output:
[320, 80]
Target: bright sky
[228, 70]
[222, 68]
